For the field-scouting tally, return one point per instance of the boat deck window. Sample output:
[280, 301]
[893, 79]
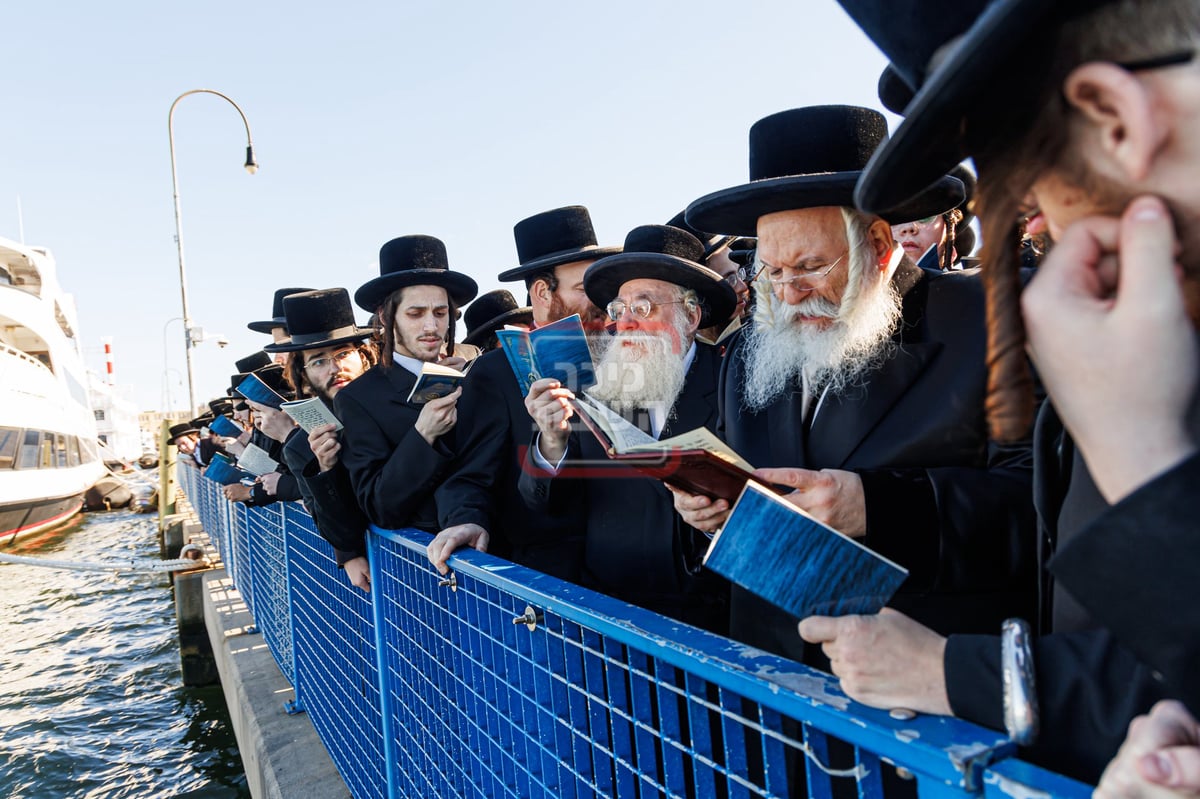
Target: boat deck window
[10, 437]
[27, 458]
[72, 451]
[60, 450]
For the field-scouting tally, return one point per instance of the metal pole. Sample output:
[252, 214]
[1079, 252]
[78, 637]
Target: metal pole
[251, 167]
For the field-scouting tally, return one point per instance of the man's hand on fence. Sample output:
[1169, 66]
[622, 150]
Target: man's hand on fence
[359, 572]
[887, 660]
[445, 543]
[236, 492]
[1162, 749]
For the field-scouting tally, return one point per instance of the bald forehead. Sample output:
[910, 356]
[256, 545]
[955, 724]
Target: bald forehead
[788, 236]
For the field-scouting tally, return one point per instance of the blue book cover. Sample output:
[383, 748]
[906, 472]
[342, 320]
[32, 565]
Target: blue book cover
[253, 388]
[559, 350]
[223, 470]
[777, 551]
[223, 426]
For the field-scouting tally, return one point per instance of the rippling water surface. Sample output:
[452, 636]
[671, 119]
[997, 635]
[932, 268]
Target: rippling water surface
[91, 700]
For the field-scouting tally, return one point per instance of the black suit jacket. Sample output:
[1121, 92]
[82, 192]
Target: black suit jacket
[492, 434]
[329, 498]
[941, 500]
[637, 548]
[393, 470]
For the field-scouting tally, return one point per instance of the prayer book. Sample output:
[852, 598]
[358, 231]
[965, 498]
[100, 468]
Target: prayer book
[310, 413]
[224, 426]
[254, 459]
[696, 461]
[777, 551]
[253, 388]
[223, 470]
[559, 350]
[435, 381]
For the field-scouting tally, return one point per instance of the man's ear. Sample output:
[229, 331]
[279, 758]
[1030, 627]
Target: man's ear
[1119, 109]
[539, 293]
[879, 235]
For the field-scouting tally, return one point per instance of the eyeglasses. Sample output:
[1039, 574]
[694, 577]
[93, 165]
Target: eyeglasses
[734, 277]
[642, 308]
[337, 357]
[1158, 62]
[812, 275]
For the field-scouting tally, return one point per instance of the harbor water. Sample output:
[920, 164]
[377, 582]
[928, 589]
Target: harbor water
[91, 700]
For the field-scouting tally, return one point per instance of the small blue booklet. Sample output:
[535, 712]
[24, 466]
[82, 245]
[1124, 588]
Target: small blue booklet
[436, 381]
[559, 350]
[223, 470]
[777, 551]
[223, 426]
[254, 389]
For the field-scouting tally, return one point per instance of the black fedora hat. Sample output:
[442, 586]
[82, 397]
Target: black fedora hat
[553, 238]
[323, 318]
[181, 429]
[661, 252]
[713, 242]
[491, 312]
[252, 362]
[203, 420]
[807, 158]
[277, 320]
[221, 407]
[414, 261]
[956, 58]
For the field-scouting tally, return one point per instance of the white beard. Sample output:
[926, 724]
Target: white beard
[648, 373]
[834, 358]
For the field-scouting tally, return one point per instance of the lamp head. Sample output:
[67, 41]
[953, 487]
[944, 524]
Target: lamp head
[251, 165]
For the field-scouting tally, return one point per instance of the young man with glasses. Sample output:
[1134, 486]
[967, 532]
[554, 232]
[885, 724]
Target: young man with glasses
[656, 375]
[327, 351]
[829, 389]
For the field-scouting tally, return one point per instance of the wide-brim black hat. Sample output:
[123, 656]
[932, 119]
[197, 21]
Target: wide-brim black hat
[553, 238]
[277, 319]
[492, 311]
[203, 420]
[220, 407]
[984, 51]
[809, 158]
[414, 261]
[317, 319]
[252, 362]
[181, 429]
[661, 252]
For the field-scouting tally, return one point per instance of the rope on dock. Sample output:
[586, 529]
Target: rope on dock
[117, 566]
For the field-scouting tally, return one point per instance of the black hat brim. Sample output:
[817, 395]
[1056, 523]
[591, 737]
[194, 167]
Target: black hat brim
[929, 141]
[604, 279]
[461, 288]
[737, 210]
[477, 336]
[287, 345]
[267, 325]
[546, 262]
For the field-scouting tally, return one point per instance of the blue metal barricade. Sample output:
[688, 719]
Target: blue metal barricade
[509, 682]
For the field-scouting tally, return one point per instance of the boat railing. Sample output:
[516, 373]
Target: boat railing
[21, 355]
[501, 681]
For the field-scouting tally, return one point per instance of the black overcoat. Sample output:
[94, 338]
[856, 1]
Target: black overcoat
[329, 498]
[941, 499]
[637, 548]
[492, 435]
[393, 470]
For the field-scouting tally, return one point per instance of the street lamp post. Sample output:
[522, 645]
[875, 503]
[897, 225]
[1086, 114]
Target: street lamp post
[251, 167]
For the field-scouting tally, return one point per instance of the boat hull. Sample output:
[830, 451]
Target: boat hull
[25, 517]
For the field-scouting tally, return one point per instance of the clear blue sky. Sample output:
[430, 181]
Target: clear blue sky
[370, 120]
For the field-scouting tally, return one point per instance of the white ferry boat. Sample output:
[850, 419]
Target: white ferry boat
[48, 452]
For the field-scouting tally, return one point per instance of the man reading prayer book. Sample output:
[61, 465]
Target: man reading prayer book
[656, 375]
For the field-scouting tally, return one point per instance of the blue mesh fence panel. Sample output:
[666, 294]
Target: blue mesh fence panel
[337, 677]
[425, 690]
[269, 580]
[239, 564]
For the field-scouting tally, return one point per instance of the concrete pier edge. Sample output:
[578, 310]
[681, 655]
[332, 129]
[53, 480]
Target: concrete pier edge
[282, 754]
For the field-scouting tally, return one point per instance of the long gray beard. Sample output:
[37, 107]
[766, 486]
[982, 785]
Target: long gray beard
[834, 359]
[629, 378]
